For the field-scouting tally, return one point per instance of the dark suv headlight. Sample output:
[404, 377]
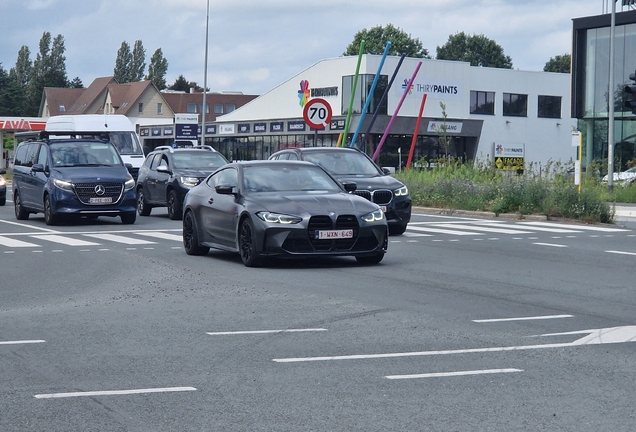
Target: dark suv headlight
[403, 191]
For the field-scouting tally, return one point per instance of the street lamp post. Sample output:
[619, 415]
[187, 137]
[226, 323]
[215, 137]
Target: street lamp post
[205, 76]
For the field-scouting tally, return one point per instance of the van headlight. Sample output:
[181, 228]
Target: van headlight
[374, 216]
[130, 184]
[62, 184]
[403, 191]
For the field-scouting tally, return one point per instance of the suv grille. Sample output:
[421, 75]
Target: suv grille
[380, 197]
[86, 191]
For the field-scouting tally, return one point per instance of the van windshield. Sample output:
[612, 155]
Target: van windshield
[83, 153]
[126, 143]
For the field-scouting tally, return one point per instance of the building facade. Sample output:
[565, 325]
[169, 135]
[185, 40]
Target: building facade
[472, 113]
[590, 86]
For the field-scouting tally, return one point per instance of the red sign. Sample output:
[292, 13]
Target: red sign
[317, 113]
[22, 124]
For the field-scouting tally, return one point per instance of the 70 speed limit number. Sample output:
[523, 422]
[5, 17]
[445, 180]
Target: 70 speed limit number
[317, 113]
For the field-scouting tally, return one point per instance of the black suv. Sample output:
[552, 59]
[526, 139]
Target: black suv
[169, 173]
[65, 178]
[373, 183]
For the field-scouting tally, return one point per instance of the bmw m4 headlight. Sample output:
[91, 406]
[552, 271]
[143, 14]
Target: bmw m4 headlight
[374, 216]
[189, 182]
[130, 184]
[278, 218]
[62, 184]
[403, 191]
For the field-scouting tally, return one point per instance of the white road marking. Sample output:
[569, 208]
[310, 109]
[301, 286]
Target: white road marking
[621, 252]
[574, 227]
[442, 231]
[450, 374]
[119, 239]
[29, 226]
[265, 331]
[5, 241]
[410, 234]
[114, 392]
[594, 337]
[21, 342]
[64, 240]
[162, 235]
[543, 317]
[550, 244]
[484, 228]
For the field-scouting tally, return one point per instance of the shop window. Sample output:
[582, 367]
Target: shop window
[549, 107]
[482, 102]
[515, 105]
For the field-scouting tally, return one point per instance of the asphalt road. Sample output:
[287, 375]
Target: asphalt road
[469, 324]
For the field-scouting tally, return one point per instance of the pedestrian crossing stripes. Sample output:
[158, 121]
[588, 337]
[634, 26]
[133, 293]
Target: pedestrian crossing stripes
[451, 229]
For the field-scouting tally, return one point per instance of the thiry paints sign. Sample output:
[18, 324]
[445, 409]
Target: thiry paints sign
[186, 126]
[510, 157]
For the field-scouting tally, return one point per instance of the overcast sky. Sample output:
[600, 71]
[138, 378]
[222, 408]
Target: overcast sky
[255, 45]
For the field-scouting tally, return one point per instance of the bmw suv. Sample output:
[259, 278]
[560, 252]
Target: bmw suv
[65, 178]
[374, 184]
[169, 173]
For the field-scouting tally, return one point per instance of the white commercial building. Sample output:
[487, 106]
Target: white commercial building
[499, 114]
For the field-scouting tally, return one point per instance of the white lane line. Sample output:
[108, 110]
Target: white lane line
[550, 244]
[612, 335]
[29, 226]
[451, 374]
[442, 231]
[21, 342]
[162, 235]
[5, 241]
[119, 239]
[543, 317]
[484, 228]
[113, 392]
[64, 240]
[574, 227]
[266, 331]
[410, 234]
[621, 252]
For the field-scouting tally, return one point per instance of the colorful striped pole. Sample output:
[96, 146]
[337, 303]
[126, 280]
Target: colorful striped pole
[417, 129]
[397, 110]
[353, 94]
[370, 95]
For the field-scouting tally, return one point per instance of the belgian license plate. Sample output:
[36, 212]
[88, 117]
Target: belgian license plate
[101, 200]
[383, 208]
[334, 234]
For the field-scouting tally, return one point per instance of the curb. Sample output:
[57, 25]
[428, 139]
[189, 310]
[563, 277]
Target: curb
[454, 212]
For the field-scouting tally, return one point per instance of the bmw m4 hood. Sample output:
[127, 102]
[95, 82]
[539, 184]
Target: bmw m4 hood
[373, 183]
[307, 203]
[90, 174]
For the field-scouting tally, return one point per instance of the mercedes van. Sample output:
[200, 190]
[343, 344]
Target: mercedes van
[118, 128]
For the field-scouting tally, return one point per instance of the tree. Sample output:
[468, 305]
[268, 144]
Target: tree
[138, 62]
[375, 40]
[478, 50]
[157, 69]
[49, 70]
[560, 64]
[182, 84]
[23, 65]
[76, 83]
[122, 64]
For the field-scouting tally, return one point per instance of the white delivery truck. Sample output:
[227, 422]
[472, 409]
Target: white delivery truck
[117, 127]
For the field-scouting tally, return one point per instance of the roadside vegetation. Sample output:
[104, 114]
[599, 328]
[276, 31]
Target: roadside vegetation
[547, 190]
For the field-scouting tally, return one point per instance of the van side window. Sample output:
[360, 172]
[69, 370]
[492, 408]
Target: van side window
[43, 156]
[29, 160]
[20, 154]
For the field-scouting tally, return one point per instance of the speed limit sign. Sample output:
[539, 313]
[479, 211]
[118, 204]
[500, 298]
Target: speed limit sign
[317, 113]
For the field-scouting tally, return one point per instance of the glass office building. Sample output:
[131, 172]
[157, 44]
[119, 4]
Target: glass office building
[590, 86]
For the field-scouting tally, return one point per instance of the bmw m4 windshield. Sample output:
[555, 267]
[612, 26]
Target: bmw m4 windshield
[287, 178]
